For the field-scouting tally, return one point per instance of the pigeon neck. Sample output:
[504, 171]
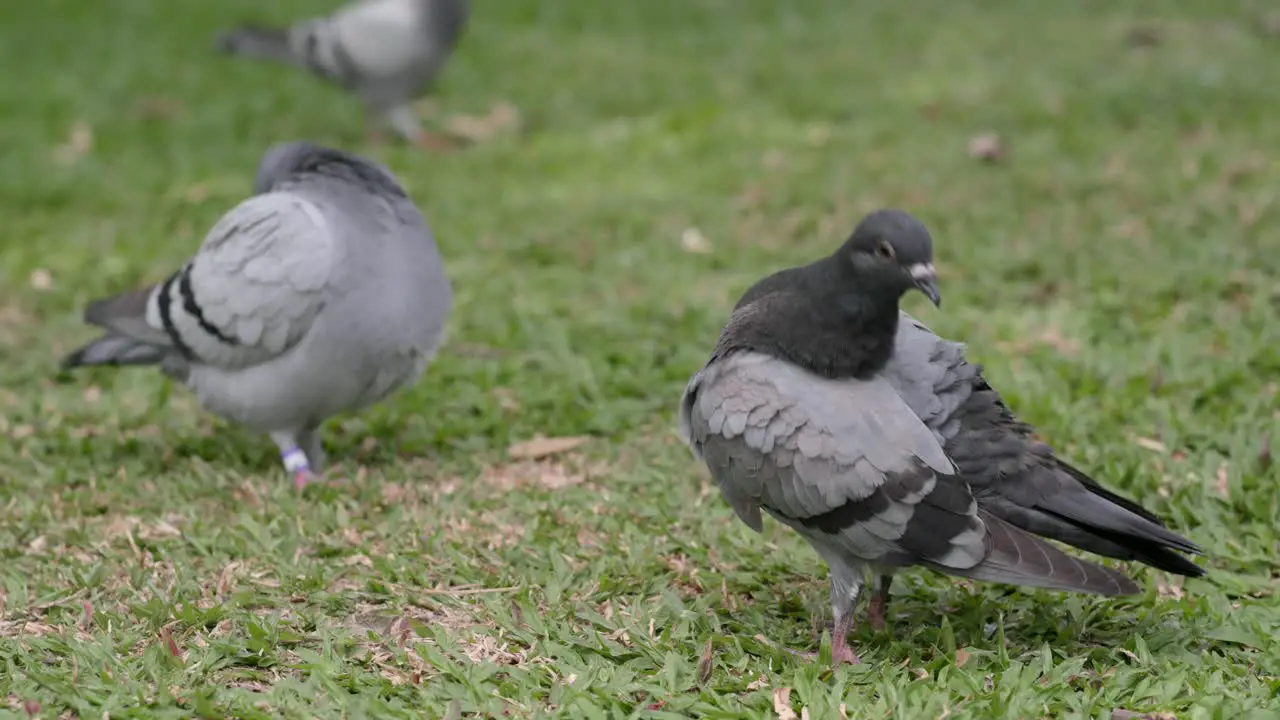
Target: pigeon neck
[836, 327]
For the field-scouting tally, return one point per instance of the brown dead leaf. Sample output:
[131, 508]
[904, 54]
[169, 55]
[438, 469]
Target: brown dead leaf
[1141, 36]
[782, 703]
[357, 559]
[395, 493]
[548, 475]
[12, 316]
[227, 578]
[818, 134]
[485, 648]
[1053, 337]
[774, 159]
[506, 399]
[693, 241]
[1264, 454]
[705, 665]
[751, 196]
[962, 657]
[760, 682]
[1220, 481]
[1121, 714]
[1150, 444]
[1169, 587]
[987, 147]
[41, 279]
[540, 447]
[79, 143]
[159, 530]
[502, 118]
[170, 644]
[158, 107]
[1269, 24]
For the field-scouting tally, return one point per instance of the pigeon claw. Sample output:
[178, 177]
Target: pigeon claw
[433, 141]
[876, 610]
[842, 653]
[303, 478]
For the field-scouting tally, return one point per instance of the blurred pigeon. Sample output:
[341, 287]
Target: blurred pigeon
[842, 417]
[322, 293]
[386, 51]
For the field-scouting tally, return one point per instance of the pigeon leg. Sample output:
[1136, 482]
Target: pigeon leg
[878, 607]
[846, 586]
[403, 120]
[309, 441]
[294, 458]
[433, 141]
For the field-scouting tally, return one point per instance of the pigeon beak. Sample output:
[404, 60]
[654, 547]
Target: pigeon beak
[926, 280]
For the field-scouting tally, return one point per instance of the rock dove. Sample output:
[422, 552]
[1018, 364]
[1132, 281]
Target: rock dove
[386, 51]
[322, 293]
[842, 417]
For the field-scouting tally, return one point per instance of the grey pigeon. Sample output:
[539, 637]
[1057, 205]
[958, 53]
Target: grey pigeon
[388, 52]
[833, 411]
[322, 293]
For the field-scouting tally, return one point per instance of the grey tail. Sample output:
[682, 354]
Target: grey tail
[1052, 499]
[1143, 538]
[114, 349]
[1020, 558]
[261, 43]
[128, 340]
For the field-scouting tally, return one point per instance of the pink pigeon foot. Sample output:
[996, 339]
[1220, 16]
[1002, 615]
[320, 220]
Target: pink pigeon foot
[840, 650]
[878, 607]
[434, 141]
[876, 610]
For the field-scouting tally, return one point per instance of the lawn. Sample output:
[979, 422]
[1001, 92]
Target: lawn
[1115, 268]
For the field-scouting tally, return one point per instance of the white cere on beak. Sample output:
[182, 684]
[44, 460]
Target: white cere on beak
[920, 271]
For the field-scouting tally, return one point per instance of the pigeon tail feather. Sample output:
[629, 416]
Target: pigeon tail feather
[1102, 522]
[1020, 558]
[1153, 530]
[115, 349]
[261, 43]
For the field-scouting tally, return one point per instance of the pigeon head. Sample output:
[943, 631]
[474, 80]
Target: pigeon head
[892, 251]
[289, 160]
[838, 316]
[279, 162]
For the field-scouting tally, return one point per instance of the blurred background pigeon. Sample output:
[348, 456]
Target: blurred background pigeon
[322, 293]
[834, 412]
[388, 52]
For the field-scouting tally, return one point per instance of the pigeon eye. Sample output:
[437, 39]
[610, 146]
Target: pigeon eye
[884, 251]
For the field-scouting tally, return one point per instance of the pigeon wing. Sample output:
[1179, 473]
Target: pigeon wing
[1014, 475]
[853, 469]
[842, 458]
[249, 294]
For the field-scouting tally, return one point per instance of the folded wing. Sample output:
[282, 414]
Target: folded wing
[850, 466]
[1014, 476]
[250, 294]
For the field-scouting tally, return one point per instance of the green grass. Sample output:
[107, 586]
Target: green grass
[1118, 274]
